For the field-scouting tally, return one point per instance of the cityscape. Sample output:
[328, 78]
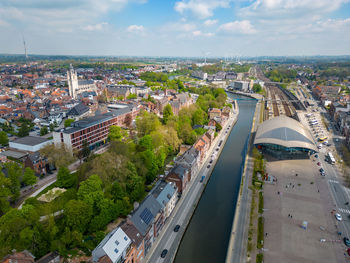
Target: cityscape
[185, 131]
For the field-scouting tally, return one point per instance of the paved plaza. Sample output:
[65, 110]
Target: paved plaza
[292, 200]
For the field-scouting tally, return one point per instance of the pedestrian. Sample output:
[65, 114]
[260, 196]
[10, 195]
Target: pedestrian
[291, 216]
[266, 234]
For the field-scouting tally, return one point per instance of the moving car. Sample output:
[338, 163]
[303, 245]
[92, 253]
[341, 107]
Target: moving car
[338, 217]
[176, 229]
[208, 166]
[164, 252]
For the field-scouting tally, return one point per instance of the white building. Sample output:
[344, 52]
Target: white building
[29, 143]
[115, 245]
[166, 195]
[240, 85]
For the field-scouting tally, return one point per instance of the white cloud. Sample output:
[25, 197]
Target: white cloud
[201, 8]
[135, 29]
[199, 33]
[210, 22]
[96, 27]
[242, 27]
[178, 27]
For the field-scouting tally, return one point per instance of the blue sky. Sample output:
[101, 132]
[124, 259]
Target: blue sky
[176, 27]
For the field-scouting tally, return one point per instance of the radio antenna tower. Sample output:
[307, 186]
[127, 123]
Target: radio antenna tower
[25, 48]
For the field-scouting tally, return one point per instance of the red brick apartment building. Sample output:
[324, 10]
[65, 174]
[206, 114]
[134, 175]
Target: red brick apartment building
[94, 129]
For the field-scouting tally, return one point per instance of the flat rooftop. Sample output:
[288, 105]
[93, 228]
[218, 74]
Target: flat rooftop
[30, 140]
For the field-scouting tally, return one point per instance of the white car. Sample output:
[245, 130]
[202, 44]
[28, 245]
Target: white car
[338, 217]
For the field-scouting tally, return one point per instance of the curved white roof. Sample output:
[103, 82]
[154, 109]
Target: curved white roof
[286, 132]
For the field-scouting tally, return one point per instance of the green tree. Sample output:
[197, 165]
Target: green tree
[257, 88]
[24, 130]
[65, 178]
[5, 192]
[78, 215]
[167, 113]
[86, 149]
[115, 133]
[14, 174]
[44, 131]
[91, 185]
[146, 123]
[29, 177]
[68, 122]
[52, 127]
[132, 96]
[4, 140]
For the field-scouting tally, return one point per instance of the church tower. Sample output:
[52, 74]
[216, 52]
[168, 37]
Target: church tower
[72, 80]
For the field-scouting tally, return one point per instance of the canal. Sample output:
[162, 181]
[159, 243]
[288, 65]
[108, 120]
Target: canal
[207, 236]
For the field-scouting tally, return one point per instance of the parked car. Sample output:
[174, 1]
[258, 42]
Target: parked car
[176, 229]
[164, 252]
[346, 241]
[338, 217]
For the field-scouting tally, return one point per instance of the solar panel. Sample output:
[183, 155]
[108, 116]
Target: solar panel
[146, 216]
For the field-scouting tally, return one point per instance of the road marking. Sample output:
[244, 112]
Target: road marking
[346, 211]
[333, 181]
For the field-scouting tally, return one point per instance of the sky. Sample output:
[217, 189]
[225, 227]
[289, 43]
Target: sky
[194, 28]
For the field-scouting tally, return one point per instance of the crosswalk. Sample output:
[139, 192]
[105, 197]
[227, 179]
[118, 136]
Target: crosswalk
[345, 211]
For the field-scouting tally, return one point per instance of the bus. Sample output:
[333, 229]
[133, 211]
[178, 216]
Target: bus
[323, 139]
[330, 158]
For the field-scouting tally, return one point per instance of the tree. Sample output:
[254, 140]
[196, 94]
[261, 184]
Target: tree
[44, 131]
[24, 130]
[132, 96]
[4, 140]
[257, 88]
[52, 127]
[128, 120]
[4, 193]
[86, 149]
[14, 174]
[146, 123]
[91, 185]
[77, 215]
[68, 122]
[167, 113]
[115, 133]
[57, 155]
[29, 177]
[65, 178]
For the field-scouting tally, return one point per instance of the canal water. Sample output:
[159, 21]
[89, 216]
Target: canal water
[207, 236]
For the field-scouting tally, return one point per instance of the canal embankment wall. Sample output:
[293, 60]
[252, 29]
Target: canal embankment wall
[236, 251]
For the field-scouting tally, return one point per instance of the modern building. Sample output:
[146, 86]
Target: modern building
[240, 85]
[94, 130]
[76, 86]
[115, 246]
[29, 143]
[284, 137]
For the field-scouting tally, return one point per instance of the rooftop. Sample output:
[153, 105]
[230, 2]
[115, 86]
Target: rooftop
[30, 140]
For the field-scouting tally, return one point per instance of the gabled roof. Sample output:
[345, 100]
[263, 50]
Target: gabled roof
[78, 110]
[144, 216]
[163, 192]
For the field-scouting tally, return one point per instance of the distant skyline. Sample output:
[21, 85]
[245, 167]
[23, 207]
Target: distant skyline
[194, 28]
